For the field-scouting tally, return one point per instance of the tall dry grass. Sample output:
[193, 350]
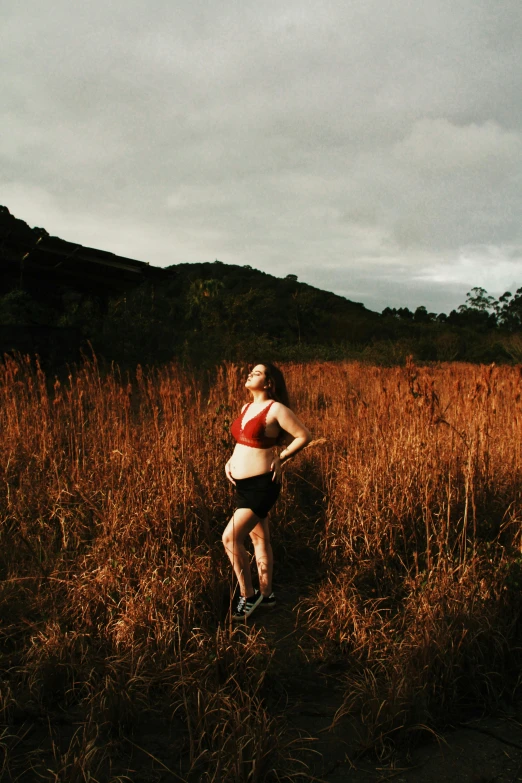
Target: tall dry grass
[422, 540]
[113, 580]
[114, 586]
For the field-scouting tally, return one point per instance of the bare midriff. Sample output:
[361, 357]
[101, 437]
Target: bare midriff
[246, 461]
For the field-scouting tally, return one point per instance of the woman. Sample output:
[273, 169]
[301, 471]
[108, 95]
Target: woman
[255, 470]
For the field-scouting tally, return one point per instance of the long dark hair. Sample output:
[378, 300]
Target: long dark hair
[276, 384]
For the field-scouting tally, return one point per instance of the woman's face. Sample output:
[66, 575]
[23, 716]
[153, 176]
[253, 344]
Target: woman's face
[256, 378]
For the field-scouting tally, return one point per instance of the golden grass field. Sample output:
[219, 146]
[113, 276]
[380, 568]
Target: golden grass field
[401, 534]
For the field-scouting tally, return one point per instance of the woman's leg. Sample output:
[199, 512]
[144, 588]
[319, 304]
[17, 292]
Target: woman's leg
[260, 536]
[235, 533]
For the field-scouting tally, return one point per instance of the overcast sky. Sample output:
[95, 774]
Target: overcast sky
[373, 148]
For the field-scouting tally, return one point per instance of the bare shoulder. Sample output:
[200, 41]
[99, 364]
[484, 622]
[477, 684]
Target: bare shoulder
[279, 411]
[287, 419]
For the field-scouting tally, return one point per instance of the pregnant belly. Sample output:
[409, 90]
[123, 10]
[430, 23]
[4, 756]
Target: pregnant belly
[250, 462]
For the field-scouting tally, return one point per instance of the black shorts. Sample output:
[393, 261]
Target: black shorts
[258, 493]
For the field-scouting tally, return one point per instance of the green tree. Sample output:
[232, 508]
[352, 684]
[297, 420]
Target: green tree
[202, 294]
[18, 308]
[421, 316]
[479, 299]
[478, 312]
[509, 310]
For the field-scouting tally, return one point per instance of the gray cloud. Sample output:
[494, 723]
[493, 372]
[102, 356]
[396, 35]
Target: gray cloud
[369, 148]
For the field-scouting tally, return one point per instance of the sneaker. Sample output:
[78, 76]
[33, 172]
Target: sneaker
[268, 600]
[245, 606]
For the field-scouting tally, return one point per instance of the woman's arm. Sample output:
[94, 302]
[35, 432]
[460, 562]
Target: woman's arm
[292, 424]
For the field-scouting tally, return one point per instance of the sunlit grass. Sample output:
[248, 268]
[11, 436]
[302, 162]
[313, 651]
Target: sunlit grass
[114, 584]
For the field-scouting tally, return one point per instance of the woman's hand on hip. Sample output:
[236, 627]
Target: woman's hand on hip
[229, 474]
[277, 471]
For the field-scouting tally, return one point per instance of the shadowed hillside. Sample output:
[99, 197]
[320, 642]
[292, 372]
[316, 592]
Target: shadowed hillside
[56, 297]
[132, 311]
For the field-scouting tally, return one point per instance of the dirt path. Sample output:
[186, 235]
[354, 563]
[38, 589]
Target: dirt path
[486, 750]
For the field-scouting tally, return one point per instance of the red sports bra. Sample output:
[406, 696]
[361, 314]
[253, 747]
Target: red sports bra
[253, 432]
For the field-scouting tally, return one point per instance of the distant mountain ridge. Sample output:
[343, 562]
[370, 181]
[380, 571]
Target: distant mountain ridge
[129, 308]
[31, 256]
[57, 296]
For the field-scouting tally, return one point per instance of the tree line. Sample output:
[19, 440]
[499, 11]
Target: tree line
[479, 311]
[207, 312]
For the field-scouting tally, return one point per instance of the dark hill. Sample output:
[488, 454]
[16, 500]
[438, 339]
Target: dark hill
[243, 279]
[34, 261]
[130, 309]
[57, 295]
